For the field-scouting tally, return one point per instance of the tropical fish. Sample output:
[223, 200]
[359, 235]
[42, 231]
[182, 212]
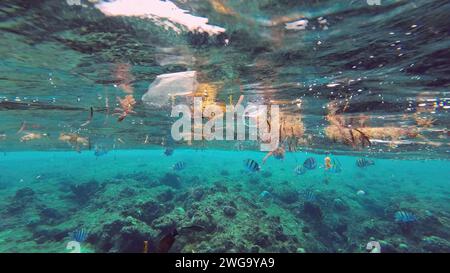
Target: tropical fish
[167, 241]
[168, 151]
[310, 163]
[79, 235]
[404, 217]
[364, 162]
[180, 165]
[335, 166]
[327, 163]
[252, 165]
[309, 196]
[299, 170]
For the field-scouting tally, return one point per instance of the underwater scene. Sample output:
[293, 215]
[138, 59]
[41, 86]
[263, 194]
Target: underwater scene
[225, 126]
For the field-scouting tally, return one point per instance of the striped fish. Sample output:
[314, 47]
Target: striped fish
[299, 170]
[79, 235]
[310, 163]
[309, 196]
[364, 162]
[335, 166]
[180, 165]
[251, 165]
[404, 217]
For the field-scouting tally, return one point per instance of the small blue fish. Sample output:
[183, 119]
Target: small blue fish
[310, 163]
[79, 235]
[299, 170]
[180, 165]
[404, 217]
[364, 162]
[309, 196]
[251, 165]
[168, 151]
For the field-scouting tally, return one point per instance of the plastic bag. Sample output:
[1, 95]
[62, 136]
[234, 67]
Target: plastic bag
[170, 85]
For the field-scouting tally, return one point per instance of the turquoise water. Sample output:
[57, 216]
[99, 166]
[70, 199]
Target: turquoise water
[87, 88]
[128, 179]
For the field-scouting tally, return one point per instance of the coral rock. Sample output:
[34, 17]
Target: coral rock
[312, 210]
[436, 244]
[287, 194]
[229, 211]
[171, 180]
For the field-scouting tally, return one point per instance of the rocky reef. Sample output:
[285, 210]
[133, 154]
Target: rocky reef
[226, 211]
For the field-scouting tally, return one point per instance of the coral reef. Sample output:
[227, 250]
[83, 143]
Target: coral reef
[171, 180]
[21, 200]
[229, 211]
[85, 191]
[287, 194]
[224, 213]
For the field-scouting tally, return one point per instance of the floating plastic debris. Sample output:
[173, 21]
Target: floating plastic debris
[164, 13]
[373, 247]
[297, 25]
[170, 85]
[75, 3]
